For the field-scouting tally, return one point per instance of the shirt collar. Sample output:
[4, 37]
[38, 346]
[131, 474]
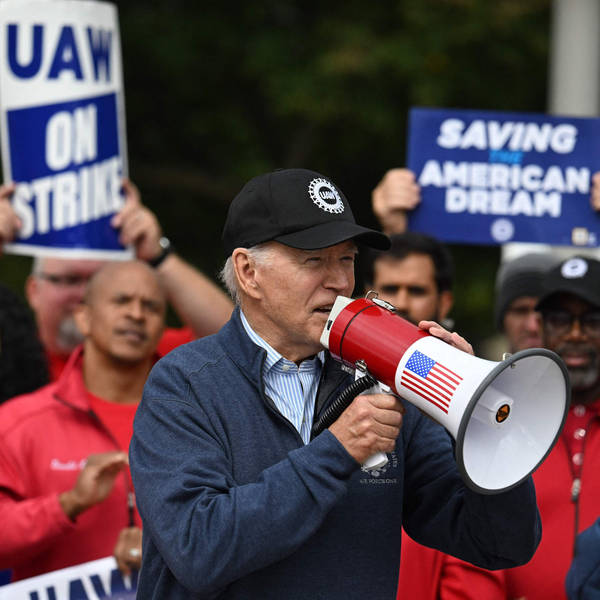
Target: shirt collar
[274, 359]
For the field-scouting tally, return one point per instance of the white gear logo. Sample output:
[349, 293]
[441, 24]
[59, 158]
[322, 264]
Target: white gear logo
[325, 196]
[574, 268]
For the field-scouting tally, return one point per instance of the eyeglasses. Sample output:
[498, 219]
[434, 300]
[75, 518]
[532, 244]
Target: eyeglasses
[560, 322]
[64, 280]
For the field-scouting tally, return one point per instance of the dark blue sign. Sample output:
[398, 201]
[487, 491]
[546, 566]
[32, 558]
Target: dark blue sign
[69, 172]
[496, 177]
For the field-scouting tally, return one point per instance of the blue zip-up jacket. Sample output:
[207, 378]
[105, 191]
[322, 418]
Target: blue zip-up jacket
[583, 578]
[235, 506]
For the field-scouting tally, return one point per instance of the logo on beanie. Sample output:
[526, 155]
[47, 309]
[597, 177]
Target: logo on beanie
[325, 196]
[574, 268]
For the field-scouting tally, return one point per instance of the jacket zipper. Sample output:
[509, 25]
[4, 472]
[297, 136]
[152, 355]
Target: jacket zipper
[130, 494]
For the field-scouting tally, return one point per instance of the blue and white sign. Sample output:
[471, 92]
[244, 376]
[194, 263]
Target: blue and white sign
[63, 124]
[496, 177]
[95, 580]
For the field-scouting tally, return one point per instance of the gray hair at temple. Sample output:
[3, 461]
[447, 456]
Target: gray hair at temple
[259, 254]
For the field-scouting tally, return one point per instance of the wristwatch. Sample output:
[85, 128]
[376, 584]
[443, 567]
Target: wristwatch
[166, 249]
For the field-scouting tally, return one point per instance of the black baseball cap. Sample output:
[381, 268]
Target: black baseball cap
[297, 207]
[579, 276]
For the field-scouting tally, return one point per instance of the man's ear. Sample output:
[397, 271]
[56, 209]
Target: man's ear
[445, 304]
[81, 315]
[245, 272]
[31, 291]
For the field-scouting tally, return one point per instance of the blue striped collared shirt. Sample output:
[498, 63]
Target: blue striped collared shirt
[292, 388]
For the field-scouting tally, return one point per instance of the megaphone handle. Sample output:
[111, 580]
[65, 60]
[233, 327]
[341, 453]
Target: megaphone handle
[379, 459]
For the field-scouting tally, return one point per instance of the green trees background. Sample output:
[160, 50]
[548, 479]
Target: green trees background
[219, 92]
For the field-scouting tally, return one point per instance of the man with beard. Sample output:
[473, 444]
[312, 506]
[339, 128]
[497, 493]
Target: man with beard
[568, 481]
[414, 275]
[66, 495]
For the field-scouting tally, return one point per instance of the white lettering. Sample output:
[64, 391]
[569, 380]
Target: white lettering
[578, 180]
[59, 135]
[456, 173]
[64, 210]
[499, 134]
[456, 200]
[500, 202]
[432, 174]
[492, 135]
[85, 142]
[71, 138]
[41, 190]
[450, 133]
[530, 177]
[69, 199]
[20, 202]
[547, 203]
[537, 137]
[564, 138]
[474, 136]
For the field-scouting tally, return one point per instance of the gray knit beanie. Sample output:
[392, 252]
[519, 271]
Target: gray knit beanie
[521, 276]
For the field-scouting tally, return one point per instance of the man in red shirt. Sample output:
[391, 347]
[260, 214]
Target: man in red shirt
[568, 481]
[56, 285]
[66, 495]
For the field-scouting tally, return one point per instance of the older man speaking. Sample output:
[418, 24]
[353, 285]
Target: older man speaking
[237, 499]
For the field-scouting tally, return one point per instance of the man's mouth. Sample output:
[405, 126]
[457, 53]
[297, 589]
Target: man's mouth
[324, 310]
[576, 357]
[133, 335]
[576, 361]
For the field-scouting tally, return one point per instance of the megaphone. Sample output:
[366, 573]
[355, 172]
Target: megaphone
[505, 416]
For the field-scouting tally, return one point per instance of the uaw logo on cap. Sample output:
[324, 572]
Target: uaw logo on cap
[325, 196]
[574, 268]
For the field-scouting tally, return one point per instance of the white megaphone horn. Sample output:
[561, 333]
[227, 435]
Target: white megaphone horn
[505, 416]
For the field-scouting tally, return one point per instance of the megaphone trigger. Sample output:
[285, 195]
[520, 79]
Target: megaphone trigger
[379, 459]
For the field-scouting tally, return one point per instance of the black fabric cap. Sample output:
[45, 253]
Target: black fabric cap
[579, 276]
[522, 276]
[297, 207]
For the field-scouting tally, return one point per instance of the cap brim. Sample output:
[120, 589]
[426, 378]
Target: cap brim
[580, 292]
[334, 232]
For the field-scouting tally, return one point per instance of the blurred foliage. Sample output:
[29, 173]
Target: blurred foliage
[216, 94]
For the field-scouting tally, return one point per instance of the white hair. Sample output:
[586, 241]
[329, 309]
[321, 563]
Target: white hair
[260, 254]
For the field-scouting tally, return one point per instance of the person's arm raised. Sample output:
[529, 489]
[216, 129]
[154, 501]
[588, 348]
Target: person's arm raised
[199, 302]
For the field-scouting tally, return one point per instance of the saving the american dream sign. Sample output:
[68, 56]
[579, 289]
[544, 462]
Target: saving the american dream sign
[496, 177]
[62, 124]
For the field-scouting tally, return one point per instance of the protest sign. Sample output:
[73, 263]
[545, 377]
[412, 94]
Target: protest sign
[95, 580]
[496, 177]
[62, 124]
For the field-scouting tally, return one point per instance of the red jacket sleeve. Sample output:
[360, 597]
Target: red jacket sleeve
[29, 525]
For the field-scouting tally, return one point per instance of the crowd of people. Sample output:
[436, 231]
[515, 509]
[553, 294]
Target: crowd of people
[113, 425]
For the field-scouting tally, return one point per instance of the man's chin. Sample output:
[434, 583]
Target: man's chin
[583, 379]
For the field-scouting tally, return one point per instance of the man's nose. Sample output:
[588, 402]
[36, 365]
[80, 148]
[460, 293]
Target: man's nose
[533, 321]
[400, 300]
[338, 278]
[575, 331]
[135, 310]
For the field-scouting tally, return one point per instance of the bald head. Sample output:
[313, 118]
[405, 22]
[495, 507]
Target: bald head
[123, 312]
[114, 271]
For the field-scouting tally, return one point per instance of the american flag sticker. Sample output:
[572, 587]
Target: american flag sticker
[430, 379]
